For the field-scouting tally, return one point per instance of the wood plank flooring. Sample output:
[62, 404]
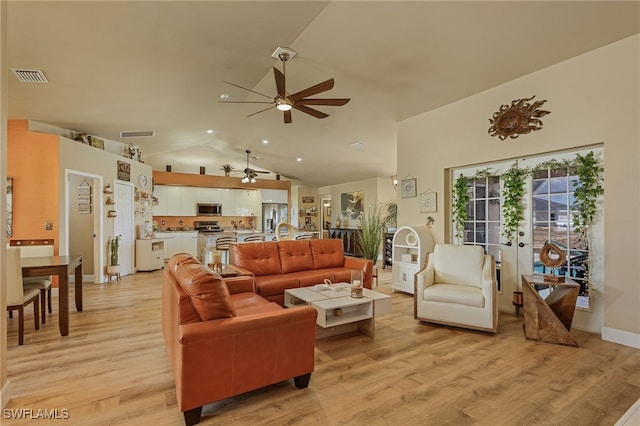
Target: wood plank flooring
[113, 369]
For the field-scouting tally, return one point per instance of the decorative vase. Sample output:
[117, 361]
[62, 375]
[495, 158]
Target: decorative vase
[338, 223]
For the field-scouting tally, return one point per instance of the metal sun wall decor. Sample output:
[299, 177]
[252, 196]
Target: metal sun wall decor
[516, 119]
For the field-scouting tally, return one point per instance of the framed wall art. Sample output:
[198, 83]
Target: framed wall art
[408, 186]
[124, 171]
[351, 204]
[428, 201]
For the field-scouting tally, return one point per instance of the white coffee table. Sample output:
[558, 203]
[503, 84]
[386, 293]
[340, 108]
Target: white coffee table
[338, 312]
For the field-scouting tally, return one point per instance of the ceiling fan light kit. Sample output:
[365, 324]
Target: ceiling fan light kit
[284, 101]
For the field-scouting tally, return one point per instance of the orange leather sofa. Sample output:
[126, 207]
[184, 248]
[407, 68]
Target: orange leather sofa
[279, 265]
[224, 340]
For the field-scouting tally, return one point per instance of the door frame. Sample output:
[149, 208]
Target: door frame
[97, 206]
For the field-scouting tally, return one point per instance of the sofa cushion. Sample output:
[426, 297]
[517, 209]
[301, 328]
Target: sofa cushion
[270, 285]
[455, 293]
[251, 303]
[309, 278]
[209, 293]
[180, 259]
[327, 253]
[295, 256]
[458, 264]
[260, 258]
[340, 275]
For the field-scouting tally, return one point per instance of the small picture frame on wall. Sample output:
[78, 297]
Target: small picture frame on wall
[408, 186]
[428, 201]
[124, 171]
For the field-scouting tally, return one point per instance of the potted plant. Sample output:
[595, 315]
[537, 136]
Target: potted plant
[227, 169]
[114, 266]
[369, 238]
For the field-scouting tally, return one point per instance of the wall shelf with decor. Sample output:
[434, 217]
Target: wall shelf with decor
[410, 248]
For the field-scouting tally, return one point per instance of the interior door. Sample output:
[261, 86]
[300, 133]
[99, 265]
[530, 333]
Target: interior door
[123, 225]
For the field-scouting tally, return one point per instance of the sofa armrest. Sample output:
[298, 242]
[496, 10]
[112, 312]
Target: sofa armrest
[240, 270]
[423, 278]
[241, 284]
[364, 265]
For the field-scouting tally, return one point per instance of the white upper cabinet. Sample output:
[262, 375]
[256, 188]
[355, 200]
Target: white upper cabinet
[274, 196]
[160, 192]
[208, 195]
[188, 196]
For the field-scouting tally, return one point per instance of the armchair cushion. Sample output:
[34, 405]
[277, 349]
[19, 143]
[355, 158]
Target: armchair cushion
[453, 293]
[208, 292]
[458, 264]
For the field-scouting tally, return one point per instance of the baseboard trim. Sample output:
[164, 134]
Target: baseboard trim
[5, 394]
[622, 337]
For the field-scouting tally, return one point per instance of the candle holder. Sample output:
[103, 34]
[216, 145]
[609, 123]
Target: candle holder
[356, 284]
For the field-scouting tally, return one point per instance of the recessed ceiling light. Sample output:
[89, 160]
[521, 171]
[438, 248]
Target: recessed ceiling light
[358, 144]
[298, 159]
[209, 131]
[224, 97]
[264, 141]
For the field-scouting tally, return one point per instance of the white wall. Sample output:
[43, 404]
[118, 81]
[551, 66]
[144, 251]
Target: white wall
[593, 98]
[84, 158]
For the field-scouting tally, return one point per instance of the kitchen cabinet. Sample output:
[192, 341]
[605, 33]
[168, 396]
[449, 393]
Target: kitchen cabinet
[188, 196]
[175, 200]
[246, 202]
[160, 192]
[179, 242]
[208, 195]
[280, 196]
[410, 248]
[149, 254]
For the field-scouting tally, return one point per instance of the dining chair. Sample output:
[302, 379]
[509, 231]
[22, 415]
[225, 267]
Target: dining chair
[222, 245]
[17, 296]
[37, 248]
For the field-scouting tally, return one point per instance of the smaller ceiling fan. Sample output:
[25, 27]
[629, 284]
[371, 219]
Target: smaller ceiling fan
[284, 101]
[250, 174]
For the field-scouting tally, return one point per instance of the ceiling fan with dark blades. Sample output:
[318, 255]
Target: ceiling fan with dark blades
[250, 174]
[286, 102]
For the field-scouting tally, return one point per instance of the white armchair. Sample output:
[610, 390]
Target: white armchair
[458, 287]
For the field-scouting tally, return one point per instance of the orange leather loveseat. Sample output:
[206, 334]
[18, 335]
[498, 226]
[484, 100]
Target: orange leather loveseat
[279, 265]
[224, 340]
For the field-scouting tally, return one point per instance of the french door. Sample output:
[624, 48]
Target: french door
[549, 206]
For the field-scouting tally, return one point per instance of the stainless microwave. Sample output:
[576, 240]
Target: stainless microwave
[209, 209]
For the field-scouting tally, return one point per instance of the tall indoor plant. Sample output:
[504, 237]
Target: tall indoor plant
[369, 238]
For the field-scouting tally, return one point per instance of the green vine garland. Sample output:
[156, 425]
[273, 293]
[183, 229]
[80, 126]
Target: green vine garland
[586, 192]
[512, 207]
[460, 199]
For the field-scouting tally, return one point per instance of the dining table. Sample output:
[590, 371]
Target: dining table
[61, 266]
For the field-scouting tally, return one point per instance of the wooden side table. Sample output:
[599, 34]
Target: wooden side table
[549, 319]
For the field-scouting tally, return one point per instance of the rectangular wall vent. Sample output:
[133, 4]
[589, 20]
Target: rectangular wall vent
[30, 76]
[136, 133]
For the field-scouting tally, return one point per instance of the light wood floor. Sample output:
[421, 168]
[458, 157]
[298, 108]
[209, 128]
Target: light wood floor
[113, 369]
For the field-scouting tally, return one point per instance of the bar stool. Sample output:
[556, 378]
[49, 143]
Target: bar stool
[254, 238]
[222, 245]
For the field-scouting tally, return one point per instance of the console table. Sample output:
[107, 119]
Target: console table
[549, 319]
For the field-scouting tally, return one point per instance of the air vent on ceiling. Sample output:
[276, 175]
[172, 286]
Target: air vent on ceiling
[136, 133]
[30, 76]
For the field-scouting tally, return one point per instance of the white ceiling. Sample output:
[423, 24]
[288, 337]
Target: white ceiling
[159, 66]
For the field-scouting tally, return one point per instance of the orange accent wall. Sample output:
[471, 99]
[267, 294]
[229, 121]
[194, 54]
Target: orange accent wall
[32, 162]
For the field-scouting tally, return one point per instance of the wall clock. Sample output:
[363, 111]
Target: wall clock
[142, 179]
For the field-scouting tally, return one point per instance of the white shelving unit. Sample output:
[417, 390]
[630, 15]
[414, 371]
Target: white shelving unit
[410, 247]
[149, 254]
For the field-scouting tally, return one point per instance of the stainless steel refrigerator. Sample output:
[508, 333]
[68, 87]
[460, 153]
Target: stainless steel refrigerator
[272, 214]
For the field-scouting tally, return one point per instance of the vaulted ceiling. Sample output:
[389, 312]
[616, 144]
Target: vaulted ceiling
[128, 66]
